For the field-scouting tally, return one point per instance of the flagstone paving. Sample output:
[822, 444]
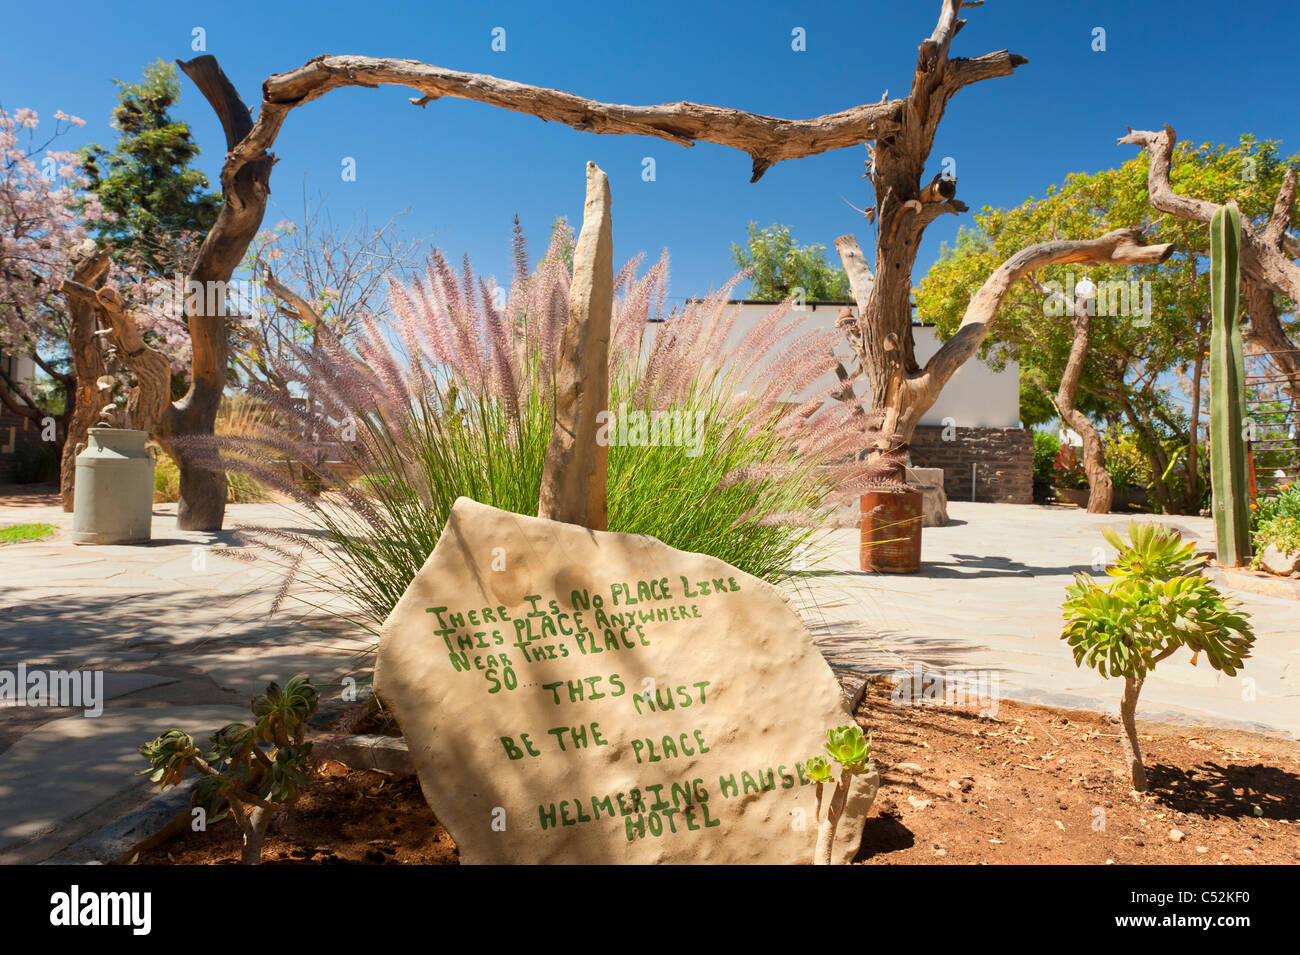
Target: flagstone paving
[987, 600]
[183, 638]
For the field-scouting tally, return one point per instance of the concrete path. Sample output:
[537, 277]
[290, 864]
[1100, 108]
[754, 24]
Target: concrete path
[182, 638]
[987, 600]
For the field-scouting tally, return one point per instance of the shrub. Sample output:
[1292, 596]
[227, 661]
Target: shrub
[239, 778]
[1067, 468]
[465, 405]
[1126, 463]
[1046, 446]
[1158, 601]
[1275, 522]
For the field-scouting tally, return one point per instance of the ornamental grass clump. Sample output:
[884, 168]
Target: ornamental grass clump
[850, 749]
[239, 778]
[1157, 602]
[708, 449]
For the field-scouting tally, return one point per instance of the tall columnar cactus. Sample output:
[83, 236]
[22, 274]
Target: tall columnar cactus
[1227, 391]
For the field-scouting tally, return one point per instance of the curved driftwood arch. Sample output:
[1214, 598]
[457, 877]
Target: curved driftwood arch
[902, 129]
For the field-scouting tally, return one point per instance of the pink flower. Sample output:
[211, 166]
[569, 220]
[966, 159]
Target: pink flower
[67, 118]
[26, 117]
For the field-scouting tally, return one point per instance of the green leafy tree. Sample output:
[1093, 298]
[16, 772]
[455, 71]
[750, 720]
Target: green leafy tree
[159, 202]
[781, 267]
[1131, 356]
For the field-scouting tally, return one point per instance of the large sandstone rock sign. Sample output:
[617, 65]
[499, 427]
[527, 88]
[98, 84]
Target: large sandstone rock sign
[580, 696]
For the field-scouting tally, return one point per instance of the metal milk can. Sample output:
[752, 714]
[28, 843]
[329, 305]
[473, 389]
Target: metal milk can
[113, 498]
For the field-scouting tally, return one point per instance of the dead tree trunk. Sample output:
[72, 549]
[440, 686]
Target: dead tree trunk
[184, 428]
[1100, 486]
[1268, 256]
[87, 352]
[902, 212]
[907, 395]
[573, 479]
[202, 504]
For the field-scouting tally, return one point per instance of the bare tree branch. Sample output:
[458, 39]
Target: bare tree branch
[766, 139]
[1120, 247]
[1265, 257]
[1279, 223]
[855, 266]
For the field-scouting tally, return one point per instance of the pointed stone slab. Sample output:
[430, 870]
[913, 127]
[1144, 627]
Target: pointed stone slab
[573, 696]
[573, 478]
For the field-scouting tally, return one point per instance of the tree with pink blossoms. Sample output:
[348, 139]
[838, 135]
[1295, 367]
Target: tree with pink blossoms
[42, 231]
[44, 242]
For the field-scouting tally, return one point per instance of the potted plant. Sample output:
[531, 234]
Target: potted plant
[1070, 482]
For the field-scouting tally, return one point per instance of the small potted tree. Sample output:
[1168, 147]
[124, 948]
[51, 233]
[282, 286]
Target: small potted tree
[1157, 602]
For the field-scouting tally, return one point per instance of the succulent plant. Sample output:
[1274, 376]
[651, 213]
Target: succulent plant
[1157, 602]
[817, 769]
[168, 755]
[238, 778]
[848, 746]
[282, 713]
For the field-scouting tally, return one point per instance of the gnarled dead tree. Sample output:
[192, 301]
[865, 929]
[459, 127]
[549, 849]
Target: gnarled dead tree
[246, 171]
[1268, 256]
[903, 130]
[901, 389]
[89, 267]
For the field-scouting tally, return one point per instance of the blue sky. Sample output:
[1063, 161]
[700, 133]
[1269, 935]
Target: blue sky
[463, 169]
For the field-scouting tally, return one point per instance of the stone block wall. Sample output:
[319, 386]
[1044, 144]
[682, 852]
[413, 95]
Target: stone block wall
[1003, 460]
[20, 439]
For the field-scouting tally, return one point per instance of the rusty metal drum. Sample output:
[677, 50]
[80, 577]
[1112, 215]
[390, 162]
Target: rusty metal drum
[891, 532]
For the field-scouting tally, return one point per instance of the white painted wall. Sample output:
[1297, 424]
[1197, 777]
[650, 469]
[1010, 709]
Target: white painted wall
[19, 367]
[975, 397]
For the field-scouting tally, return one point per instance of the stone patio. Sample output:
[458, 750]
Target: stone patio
[184, 640]
[987, 599]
